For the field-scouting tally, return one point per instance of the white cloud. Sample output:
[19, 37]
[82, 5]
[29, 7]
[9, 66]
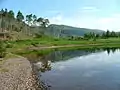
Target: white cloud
[56, 19]
[89, 9]
[111, 22]
[89, 21]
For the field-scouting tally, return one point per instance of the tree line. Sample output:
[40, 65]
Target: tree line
[10, 22]
[104, 35]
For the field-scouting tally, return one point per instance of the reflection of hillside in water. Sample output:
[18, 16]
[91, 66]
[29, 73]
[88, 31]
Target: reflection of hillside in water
[62, 55]
[65, 55]
[44, 63]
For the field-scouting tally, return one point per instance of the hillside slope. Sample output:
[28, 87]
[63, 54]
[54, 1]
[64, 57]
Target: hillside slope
[64, 30]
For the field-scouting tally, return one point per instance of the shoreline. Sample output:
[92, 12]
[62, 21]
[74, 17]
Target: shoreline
[39, 85]
[70, 46]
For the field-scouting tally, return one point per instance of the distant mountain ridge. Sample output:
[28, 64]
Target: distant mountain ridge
[64, 30]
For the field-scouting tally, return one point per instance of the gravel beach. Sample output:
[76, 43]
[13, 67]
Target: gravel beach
[17, 74]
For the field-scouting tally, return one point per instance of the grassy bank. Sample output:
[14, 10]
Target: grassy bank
[25, 46]
[58, 42]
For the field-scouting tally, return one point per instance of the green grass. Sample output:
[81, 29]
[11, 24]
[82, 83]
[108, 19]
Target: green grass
[20, 46]
[36, 52]
[47, 51]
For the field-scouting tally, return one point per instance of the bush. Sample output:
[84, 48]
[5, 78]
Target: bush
[35, 44]
[56, 39]
[19, 40]
[2, 49]
[9, 45]
[38, 36]
[55, 44]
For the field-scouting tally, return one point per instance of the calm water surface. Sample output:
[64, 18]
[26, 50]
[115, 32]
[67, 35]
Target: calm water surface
[81, 70]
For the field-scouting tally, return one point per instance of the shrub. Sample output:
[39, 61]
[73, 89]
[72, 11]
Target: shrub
[55, 44]
[2, 49]
[35, 44]
[38, 35]
[19, 40]
[9, 45]
[56, 39]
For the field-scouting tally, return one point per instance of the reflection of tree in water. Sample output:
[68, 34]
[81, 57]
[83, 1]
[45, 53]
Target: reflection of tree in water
[45, 65]
[109, 50]
[114, 50]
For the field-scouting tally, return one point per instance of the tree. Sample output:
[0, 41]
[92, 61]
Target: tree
[103, 35]
[43, 22]
[97, 35]
[40, 21]
[34, 20]
[90, 35]
[4, 18]
[20, 17]
[5, 13]
[1, 16]
[108, 34]
[119, 34]
[11, 14]
[29, 19]
[10, 19]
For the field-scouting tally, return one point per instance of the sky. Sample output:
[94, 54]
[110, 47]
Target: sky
[94, 14]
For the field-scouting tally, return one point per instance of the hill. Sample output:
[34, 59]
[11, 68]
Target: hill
[63, 30]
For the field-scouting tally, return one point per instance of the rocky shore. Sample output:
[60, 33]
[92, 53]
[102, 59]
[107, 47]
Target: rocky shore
[18, 74]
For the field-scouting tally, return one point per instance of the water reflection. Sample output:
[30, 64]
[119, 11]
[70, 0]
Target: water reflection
[89, 69]
[44, 62]
[83, 70]
[45, 65]
[113, 50]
